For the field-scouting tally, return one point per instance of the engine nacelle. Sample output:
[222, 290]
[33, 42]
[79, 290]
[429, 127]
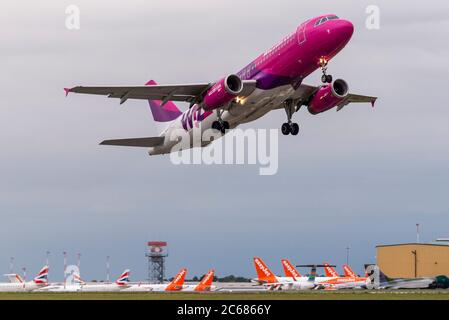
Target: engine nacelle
[328, 96]
[223, 92]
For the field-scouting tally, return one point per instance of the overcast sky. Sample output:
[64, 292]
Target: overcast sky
[357, 178]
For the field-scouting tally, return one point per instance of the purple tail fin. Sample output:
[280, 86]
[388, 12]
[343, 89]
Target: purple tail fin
[167, 112]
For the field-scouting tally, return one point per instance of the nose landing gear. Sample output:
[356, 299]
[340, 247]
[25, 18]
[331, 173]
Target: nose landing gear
[290, 127]
[325, 78]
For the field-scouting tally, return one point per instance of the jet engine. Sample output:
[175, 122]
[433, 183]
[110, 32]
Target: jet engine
[223, 92]
[328, 96]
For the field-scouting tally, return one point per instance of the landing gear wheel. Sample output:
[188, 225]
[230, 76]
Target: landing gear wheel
[285, 129]
[226, 125]
[216, 125]
[325, 78]
[220, 126]
[294, 129]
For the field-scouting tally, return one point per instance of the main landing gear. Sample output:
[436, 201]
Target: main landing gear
[220, 125]
[325, 78]
[290, 127]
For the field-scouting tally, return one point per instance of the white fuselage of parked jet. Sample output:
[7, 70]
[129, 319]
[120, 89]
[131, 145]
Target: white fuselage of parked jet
[106, 287]
[299, 283]
[19, 287]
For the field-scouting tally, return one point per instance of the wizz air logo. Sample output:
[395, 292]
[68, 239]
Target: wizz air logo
[262, 268]
[192, 117]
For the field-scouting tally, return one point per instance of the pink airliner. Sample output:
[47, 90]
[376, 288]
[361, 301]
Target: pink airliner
[274, 80]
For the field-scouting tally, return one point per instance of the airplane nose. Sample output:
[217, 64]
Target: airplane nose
[346, 28]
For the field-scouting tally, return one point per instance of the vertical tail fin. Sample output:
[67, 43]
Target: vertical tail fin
[290, 270]
[330, 272]
[163, 111]
[178, 281]
[349, 272]
[42, 276]
[206, 282]
[123, 280]
[77, 279]
[382, 276]
[264, 274]
[14, 278]
[312, 275]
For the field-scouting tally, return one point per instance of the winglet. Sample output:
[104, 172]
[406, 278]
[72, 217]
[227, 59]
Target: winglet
[67, 91]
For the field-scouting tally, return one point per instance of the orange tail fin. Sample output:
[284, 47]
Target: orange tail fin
[290, 270]
[349, 272]
[178, 281]
[264, 274]
[330, 272]
[206, 282]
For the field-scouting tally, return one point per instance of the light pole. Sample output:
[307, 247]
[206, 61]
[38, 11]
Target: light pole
[79, 261]
[415, 254]
[11, 265]
[348, 249]
[65, 267]
[107, 269]
[48, 258]
[417, 233]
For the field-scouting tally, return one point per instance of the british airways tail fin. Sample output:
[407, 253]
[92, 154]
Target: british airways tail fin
[42, 277]
[123, 280]
[163, 111]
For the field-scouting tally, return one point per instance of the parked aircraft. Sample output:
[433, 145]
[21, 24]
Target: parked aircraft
[274, 80]
[402, 283]
[79, 285]
[175, 285]
[204, 285]
[338, 282]
[268, 279]
[17, 284]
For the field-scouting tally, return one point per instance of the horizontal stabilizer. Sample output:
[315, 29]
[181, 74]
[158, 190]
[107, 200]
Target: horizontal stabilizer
[137, 142]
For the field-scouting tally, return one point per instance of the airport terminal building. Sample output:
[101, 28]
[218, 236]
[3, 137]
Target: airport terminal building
[413, 260]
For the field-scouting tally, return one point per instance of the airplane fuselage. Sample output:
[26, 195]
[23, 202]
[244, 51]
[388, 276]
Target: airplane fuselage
[278, 74]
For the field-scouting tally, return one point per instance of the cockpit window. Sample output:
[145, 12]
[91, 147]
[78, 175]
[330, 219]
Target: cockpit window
[325, 19]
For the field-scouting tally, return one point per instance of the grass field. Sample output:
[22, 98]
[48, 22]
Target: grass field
[346, 295]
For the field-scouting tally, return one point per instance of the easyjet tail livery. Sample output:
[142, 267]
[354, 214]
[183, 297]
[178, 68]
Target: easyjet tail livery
[290, 270]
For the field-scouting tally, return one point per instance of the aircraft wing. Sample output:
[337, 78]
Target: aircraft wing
[305, 92]
[136, 142]
[356, 98]
[177, 92]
